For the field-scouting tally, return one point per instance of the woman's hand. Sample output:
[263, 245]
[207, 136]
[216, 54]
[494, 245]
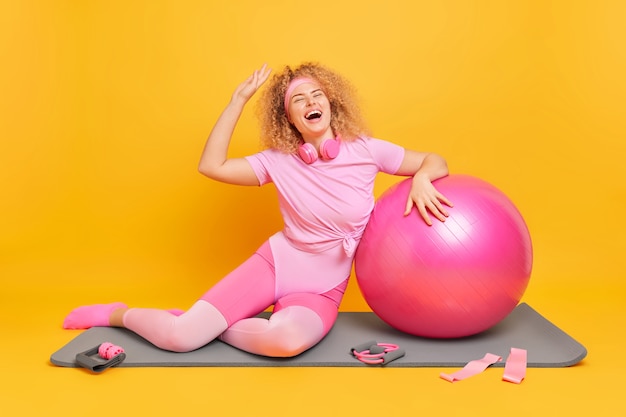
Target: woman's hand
[426, 199]
[246, 89]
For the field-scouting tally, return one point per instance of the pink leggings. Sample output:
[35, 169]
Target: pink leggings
[228, 310]
[249, 290]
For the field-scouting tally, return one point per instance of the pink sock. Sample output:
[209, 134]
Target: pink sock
[90, 316]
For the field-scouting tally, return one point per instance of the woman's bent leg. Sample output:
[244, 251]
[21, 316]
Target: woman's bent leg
[299, 322]
[245, 292]
[189, 331]
[286, 333]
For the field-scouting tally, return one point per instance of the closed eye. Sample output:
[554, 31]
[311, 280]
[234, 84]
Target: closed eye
[300, 97]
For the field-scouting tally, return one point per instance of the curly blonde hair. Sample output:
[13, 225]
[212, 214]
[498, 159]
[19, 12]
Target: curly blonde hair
[276, 131]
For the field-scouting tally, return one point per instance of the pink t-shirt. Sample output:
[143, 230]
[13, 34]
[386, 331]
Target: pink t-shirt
[327, 204]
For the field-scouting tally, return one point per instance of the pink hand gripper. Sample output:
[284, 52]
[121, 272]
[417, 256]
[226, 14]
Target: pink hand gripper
[109, 350]
[374, 355]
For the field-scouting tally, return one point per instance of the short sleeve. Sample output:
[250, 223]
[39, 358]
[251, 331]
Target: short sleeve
[260, 164]
[388, 156]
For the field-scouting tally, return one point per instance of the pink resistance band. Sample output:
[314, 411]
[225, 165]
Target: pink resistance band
[295, 83]
[472, 368]
[514, 369]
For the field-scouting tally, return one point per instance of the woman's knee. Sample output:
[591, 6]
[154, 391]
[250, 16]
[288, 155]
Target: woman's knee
[193, 329]
[293, 331]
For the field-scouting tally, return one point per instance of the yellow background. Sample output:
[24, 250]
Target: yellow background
[104, 109]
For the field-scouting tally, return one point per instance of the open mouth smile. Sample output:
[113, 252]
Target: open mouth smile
[313, 114]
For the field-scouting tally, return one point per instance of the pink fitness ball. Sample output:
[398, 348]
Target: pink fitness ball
[453, 279]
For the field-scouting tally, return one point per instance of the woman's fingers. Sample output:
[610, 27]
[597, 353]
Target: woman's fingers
[433, 206]
[251, 84]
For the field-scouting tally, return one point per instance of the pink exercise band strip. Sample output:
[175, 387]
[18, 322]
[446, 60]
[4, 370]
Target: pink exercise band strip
[472, 368]
[515, 368]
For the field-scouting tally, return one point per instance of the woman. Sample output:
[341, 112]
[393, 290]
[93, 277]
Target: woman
[323, 165]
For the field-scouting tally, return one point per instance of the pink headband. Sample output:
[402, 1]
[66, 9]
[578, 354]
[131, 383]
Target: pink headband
[295, 83]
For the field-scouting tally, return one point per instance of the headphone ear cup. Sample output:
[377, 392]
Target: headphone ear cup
[308, 153]
[329, 149]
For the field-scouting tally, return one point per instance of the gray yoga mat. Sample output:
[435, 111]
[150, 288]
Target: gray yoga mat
[524, 328]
